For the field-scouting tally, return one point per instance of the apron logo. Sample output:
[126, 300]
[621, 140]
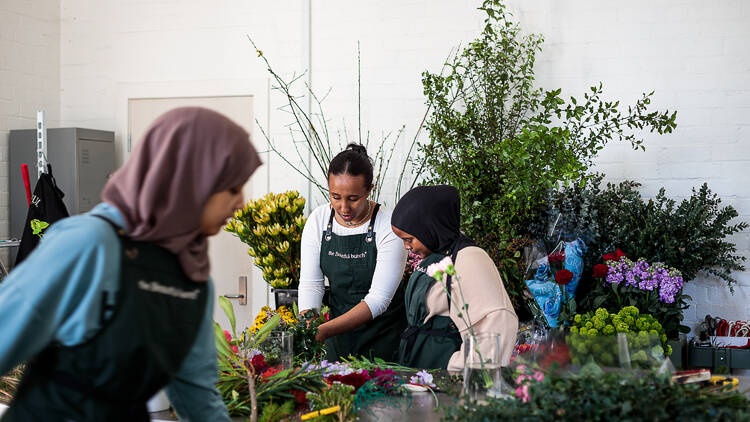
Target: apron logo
[421, 269]
[35, 200]
[348, 255]
[131, 253]
[155, 287]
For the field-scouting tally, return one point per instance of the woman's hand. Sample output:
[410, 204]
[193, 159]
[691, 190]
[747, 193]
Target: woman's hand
[352, 319]
[323, 332]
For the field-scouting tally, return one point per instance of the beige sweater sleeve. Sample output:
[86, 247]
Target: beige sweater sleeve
[478, 284]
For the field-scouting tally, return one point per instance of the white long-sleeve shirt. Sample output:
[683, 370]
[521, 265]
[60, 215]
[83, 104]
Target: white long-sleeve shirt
[389, 267]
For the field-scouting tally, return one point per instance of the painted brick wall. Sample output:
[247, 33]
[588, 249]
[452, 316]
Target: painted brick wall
[29, 77]
[692, 53]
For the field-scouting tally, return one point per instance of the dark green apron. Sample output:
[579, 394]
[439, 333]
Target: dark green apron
[139, 349]
[349, 264]
[426, 344]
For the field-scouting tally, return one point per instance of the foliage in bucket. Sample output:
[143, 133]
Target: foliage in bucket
[272, 228]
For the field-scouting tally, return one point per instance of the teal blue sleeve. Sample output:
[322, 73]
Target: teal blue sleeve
[193, 391]
[55, 295]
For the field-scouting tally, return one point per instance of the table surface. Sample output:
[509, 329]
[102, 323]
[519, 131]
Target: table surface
[422, 407]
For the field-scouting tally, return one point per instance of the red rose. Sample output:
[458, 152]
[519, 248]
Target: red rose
[228, 336]
[556, 257]
[614, 256]
[259, 363]
[600, 270]
[235, 349]
[563, 277]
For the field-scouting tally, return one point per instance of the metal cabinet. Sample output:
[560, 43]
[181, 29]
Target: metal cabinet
[81, 159]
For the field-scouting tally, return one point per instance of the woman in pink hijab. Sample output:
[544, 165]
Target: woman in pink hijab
[116, 304]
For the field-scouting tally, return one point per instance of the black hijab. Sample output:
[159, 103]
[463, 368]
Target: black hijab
[432, 214]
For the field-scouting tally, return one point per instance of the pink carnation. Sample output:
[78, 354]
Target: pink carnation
[441, 266]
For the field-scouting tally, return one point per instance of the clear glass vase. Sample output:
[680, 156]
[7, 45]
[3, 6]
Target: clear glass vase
[278, 349]
[483, 367]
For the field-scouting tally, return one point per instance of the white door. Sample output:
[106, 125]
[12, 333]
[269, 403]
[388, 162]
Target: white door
[229, 259]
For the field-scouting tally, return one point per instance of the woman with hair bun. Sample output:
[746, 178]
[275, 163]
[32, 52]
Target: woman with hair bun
[350, 241]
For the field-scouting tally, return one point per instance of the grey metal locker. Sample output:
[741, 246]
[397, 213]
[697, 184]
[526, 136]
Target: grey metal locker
[81, 159]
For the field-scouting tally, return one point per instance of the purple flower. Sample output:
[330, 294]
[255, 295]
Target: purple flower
[423, 378]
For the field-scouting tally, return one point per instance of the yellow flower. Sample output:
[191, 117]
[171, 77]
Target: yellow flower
[283, 247]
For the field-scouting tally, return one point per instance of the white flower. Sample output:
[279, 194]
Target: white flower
[441, 266]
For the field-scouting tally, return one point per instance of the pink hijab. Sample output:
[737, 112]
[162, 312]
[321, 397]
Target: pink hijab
[187, 155]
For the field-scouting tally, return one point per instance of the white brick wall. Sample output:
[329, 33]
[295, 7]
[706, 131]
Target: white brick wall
[29, 77]
[692, 53]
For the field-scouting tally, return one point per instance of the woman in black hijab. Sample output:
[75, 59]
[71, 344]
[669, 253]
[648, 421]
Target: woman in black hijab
[427, 219]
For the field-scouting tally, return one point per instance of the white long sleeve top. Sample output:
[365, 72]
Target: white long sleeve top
[389, 267]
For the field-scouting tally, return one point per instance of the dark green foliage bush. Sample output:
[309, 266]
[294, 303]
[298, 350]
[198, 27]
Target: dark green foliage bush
[502, 141]
[691, 236]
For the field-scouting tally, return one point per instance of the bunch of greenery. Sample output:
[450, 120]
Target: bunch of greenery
[272, 228]
[306, 347]
[504, 142]
[593, 337]
[337, 394]
[608, 397]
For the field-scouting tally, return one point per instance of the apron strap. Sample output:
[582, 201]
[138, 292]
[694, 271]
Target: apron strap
[329, 227]
[449, 279]
[370, 226]
[106, 307]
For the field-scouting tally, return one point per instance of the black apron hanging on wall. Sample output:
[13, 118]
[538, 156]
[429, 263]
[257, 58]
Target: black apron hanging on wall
[47, 206]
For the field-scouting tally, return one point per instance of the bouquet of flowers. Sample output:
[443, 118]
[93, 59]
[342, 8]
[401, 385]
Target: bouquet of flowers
[555, 277]
[594, 336]
[303, 327]
[656, 288]
[249, 381]
[272, 228]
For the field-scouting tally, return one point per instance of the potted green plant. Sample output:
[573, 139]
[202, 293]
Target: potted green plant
[272, 228]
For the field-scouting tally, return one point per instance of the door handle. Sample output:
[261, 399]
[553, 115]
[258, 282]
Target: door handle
[242, 295]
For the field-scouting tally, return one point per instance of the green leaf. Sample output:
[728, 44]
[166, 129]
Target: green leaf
[228, 309]
[222, 345]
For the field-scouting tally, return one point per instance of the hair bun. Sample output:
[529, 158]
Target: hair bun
[358, 148]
